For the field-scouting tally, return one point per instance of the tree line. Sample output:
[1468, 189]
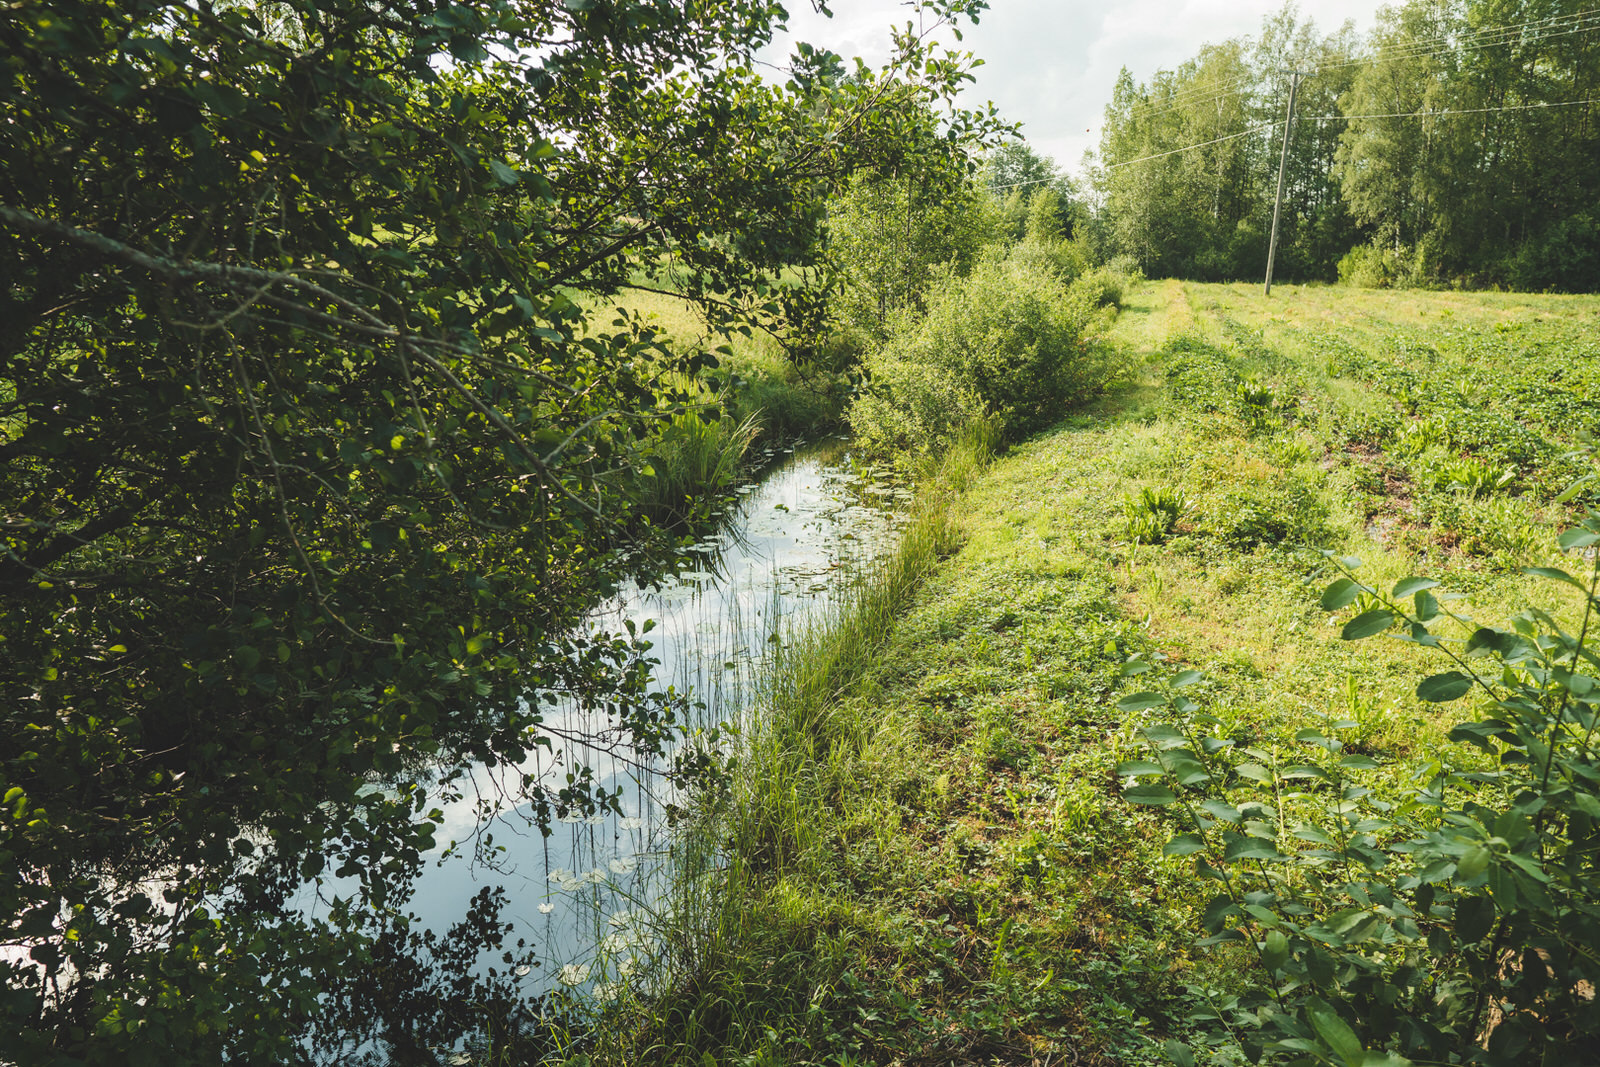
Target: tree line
[1453, 144]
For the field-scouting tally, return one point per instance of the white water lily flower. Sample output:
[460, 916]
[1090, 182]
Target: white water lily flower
[459, 1058]
[632, 822]
[621, 918]
[607, 990]
[573, 882]
[595, 820]
[622, 864]
[546, 908]
[596, 877]
[574, 974]
[523, 971]
[559, 874]
[614, 942]
[628, 967]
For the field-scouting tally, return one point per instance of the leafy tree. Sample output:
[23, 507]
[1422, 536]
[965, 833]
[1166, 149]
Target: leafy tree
[888, 236]
[1316, 228]
[1188, 162]
[1014, 175]
[311, 457]
[1472, 160]
[1392, 167]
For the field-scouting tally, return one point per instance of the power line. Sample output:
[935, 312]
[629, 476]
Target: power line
[1335, 118]
[1423, 48]
[1203, 144]
[1488, 37]
[1449, 111]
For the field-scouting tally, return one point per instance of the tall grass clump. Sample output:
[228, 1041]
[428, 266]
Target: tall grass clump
[757, 947]
[1005, 343]
[695, 460]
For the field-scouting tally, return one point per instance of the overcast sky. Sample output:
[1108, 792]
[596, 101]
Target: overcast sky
[1051, 64]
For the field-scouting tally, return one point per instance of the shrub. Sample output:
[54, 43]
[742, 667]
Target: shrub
[1564, 258]
[1065, 260]
[912, 407]
[1282, 511]
[695, 461]
[1453, 923]
[1106, 286]
[1005, 342]
[1153, 514]
[1371, 267]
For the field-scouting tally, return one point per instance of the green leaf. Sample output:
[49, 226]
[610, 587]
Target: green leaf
[1135, 767]
[1157, 795]
[1411, 586]
[1473, 864]
[1340, 594]
[1443, 688]
[1315, 835]
[1178, 1052]
[1251, 848]
[1577, 538]
[1220, 810]
[1163, 736]
[1474, 918]
[1555, 574]
[1335, 1032]
[1575, 488]
[1367, 623]
[1185, 678]
[1141, 701]
[1184, 845]
[503, 174]
[1217, 912]
[1275, 950]
[1315, 737]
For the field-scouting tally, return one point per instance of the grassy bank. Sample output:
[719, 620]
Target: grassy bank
[927, 855]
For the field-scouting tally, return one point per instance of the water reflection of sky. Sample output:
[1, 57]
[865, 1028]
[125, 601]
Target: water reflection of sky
[581, 894]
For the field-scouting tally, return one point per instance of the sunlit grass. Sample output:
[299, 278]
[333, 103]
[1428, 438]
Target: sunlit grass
[925, 853]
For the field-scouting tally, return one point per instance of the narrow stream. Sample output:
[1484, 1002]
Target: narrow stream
[581, 895]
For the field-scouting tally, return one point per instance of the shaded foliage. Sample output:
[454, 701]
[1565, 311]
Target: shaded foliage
[310, 460]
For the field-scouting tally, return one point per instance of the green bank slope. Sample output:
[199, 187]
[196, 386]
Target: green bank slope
[933, 858]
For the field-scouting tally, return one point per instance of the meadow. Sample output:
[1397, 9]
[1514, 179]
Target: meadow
[935, 848]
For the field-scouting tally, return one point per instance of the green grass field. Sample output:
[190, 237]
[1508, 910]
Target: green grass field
[939, 865]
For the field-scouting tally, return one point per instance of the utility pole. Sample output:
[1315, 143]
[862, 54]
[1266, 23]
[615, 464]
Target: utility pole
[1283, 165]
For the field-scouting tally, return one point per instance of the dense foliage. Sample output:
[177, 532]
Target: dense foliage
[1452, 144]
[1453, 923]
[310, 458]
[1009, 343]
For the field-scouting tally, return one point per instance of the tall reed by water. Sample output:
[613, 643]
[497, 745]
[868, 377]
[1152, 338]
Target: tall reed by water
[695, 461]
[747, 959]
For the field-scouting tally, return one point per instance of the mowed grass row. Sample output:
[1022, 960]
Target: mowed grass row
[927, 856]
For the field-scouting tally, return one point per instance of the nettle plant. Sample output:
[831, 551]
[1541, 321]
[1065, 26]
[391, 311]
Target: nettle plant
[1447, 912]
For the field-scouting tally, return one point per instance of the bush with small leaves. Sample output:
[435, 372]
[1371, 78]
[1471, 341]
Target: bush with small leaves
[1457, 921]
